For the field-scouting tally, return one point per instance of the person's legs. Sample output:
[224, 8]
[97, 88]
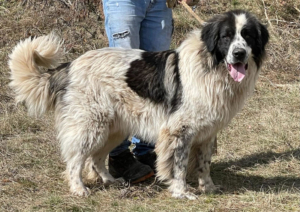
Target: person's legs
[141, 147]
[121, 148]
[157, 27]
[144, 152]
[122, 22]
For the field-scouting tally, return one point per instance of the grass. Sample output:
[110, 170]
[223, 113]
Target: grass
[258, 161]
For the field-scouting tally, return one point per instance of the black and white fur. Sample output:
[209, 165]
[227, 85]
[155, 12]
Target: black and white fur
[177, 99]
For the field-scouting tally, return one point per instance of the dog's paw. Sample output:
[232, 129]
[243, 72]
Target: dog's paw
[108, 180]
[113, 181]
[186, 195]
[120, 181]
[81, 191]
[208, 188]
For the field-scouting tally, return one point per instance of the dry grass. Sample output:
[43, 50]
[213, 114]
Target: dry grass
[258, 161]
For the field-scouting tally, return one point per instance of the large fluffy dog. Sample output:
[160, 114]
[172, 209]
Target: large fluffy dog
[177, 99]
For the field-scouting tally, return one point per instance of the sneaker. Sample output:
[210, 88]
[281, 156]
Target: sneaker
[148, 159]
[126, 166]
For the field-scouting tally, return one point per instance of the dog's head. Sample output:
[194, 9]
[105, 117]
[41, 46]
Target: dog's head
[235, 37]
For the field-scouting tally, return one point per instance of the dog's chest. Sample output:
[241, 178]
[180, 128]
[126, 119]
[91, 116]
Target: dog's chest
[216, 105]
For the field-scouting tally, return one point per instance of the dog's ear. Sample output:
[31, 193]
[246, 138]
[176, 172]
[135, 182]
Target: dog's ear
[264, 35]
[210, 35]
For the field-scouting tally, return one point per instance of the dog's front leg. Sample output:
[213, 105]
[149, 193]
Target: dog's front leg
[178, 186]
[206, 184]
[172, 158]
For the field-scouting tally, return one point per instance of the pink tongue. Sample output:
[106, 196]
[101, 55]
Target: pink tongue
[237, 71]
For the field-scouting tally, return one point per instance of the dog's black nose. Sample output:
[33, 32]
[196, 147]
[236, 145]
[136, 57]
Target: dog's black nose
[239, 54]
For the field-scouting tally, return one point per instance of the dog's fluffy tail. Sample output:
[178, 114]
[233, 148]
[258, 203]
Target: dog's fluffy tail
[28, 79]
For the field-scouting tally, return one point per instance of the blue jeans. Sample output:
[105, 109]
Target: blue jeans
[138, 24]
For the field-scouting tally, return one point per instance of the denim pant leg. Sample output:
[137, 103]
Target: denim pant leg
[121, 148]
[122, 22]
[141, 148]
[157, 27]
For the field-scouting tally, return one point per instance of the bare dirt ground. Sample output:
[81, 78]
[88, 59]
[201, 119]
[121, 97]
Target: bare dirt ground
[258, 160]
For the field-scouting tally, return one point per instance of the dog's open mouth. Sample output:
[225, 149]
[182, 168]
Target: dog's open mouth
[237, 71]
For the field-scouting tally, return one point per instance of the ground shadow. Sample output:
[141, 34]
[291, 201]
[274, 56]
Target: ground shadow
[227, 175]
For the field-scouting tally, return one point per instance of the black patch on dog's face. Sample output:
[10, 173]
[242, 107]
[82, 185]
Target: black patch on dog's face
[218, 34]
[146, 77]
[220, 31]
[59, 79]
[256, 36]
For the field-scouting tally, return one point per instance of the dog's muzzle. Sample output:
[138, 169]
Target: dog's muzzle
[237, 65]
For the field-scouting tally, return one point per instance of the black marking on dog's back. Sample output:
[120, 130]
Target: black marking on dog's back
[146, 76]
[59, 79]
[177, 97]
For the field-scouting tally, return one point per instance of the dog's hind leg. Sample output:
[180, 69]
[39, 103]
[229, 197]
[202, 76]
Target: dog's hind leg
[76, 157]
[74, 169]
[98, 165]
[173, 151]
[81, 133]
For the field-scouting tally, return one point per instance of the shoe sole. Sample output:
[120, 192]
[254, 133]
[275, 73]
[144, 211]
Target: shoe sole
[143, 178]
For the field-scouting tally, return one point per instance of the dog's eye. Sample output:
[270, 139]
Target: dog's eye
[225, 37]
[247, 34]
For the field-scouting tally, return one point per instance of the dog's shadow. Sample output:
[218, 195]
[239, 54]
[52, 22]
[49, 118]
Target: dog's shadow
[233, 178]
